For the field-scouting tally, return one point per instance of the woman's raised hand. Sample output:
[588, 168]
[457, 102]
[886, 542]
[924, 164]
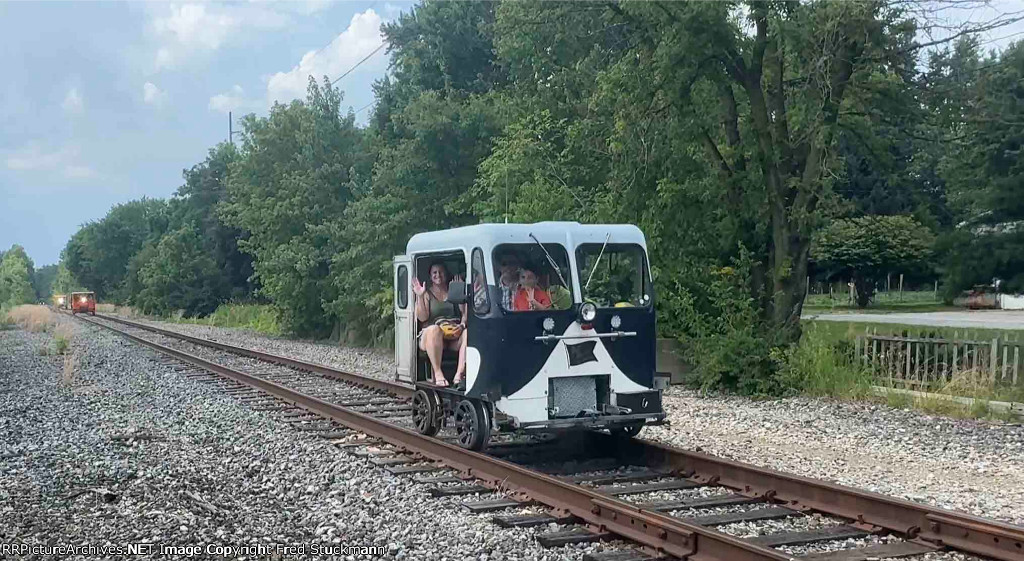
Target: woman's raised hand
[457, 278]
[418, 287]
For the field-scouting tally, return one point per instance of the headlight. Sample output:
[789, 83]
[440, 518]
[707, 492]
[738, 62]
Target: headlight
[83, 299]
[616, 322]
[549, 324]
[588, 311]
[60, 300]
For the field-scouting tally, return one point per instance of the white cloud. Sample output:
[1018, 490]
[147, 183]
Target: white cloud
[348, 48]
[72, 101]
[187, 29]
[63, 161]
[152, 94]
[233, 100]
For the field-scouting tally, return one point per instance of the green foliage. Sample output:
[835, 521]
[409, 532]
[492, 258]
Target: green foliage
[865, 249]
[42, 281]
[824, 367]
[16, 274]
[258, 317]
[176, 274]
[99, 253]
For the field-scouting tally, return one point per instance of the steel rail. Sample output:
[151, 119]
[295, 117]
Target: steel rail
[913, 521]
[394, 388]
[660, 532]
[957, 530]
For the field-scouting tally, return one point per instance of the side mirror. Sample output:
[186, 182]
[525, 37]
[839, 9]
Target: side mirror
[458, 293]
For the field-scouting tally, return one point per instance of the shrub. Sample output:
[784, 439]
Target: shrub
[820, 367]
[62, 336]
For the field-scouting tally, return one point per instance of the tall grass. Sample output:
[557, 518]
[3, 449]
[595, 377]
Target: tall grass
[32, 317]
[62, 336]
[825, 367]
[258, 317]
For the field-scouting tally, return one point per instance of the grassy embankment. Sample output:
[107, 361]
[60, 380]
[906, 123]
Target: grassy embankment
[257, 317]
[824, 365]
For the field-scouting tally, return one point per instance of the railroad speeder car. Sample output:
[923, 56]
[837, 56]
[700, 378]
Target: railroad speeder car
[83, 302]
[558, 324]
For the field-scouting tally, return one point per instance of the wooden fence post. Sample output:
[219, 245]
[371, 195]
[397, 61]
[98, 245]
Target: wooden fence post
[993, 358]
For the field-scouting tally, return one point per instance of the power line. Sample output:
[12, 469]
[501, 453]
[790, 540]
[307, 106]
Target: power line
[363, 107]
[366, 58]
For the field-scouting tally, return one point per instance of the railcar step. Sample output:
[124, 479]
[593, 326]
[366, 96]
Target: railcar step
[457, 490]
[525, 520]
[494, 505]
[620, 555]
[647, 487]
[395, 461]
[881, 551]
[800, 538]
[575, 535]
[771, 513]
[645, 475]
[405, 470]
[719, 500]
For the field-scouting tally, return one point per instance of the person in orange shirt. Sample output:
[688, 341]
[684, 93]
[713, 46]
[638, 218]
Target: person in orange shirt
[529, 296]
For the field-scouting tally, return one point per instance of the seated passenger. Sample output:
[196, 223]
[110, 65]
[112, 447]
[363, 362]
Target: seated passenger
[442, 324]
[509, 269]
[529, 296]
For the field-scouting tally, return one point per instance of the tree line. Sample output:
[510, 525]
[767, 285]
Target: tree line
[757, 144]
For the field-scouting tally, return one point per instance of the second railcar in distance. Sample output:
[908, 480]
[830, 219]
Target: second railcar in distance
[552, 329]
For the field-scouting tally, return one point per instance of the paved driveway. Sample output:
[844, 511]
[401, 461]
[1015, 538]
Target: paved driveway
[980, 319]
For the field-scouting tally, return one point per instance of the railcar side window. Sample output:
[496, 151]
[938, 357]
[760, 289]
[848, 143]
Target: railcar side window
[403, 287]
[481, 300]
[614, 275]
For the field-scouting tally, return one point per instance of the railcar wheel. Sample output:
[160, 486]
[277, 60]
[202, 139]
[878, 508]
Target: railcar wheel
[426, 412]
[629, 431]
[471, 425]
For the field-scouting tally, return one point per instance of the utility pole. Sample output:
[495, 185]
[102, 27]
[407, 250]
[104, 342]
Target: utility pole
[231, 129]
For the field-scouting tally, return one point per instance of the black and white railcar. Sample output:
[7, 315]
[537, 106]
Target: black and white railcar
[587, 363]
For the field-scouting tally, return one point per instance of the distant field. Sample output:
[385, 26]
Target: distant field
[883, 302]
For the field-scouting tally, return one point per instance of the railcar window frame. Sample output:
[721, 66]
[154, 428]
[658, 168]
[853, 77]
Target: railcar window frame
[481, 304]
[565, 267]
[583, 250]
[403, 287]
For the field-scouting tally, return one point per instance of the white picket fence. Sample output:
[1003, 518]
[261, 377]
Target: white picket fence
[927, 361]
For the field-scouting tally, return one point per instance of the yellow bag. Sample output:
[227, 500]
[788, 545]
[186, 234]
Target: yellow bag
[449, 328]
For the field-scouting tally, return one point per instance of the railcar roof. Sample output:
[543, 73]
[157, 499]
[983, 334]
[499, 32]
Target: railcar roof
[490, 235]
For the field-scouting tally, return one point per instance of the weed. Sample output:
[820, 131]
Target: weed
[898, 400]
[258, 317]
[68, 374]
[44, 350]
[62, 336]
[821, 367]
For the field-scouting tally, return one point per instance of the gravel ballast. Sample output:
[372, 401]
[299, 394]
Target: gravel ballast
[127, 449]
[961, 464]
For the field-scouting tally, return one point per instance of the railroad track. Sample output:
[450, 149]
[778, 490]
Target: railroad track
[526, 472]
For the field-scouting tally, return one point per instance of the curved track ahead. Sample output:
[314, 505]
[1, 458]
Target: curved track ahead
[921, 528]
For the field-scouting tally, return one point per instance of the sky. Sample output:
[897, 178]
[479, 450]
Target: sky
[104, 102]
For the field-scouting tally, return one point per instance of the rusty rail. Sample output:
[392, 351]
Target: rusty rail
[912, 521]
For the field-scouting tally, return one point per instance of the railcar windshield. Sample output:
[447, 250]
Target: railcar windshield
[614, 275]
[532, 278]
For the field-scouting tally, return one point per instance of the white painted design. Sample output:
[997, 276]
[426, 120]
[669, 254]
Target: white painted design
[472, 367]
[530, 403]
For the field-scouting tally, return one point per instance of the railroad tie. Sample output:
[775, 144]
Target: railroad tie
[494, 505]
[574, 535]
[811, 536]
[405, 470]
[719, 500]
[880, 551]
[770, 513]
[648, 487]
[619, 555]
[529, 520]
[457, 490]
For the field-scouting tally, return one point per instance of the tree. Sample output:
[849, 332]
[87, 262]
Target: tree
[98, 254]
[866, 249]
[16, 278]
[177, 274]
[288, 189]
[42, 281]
